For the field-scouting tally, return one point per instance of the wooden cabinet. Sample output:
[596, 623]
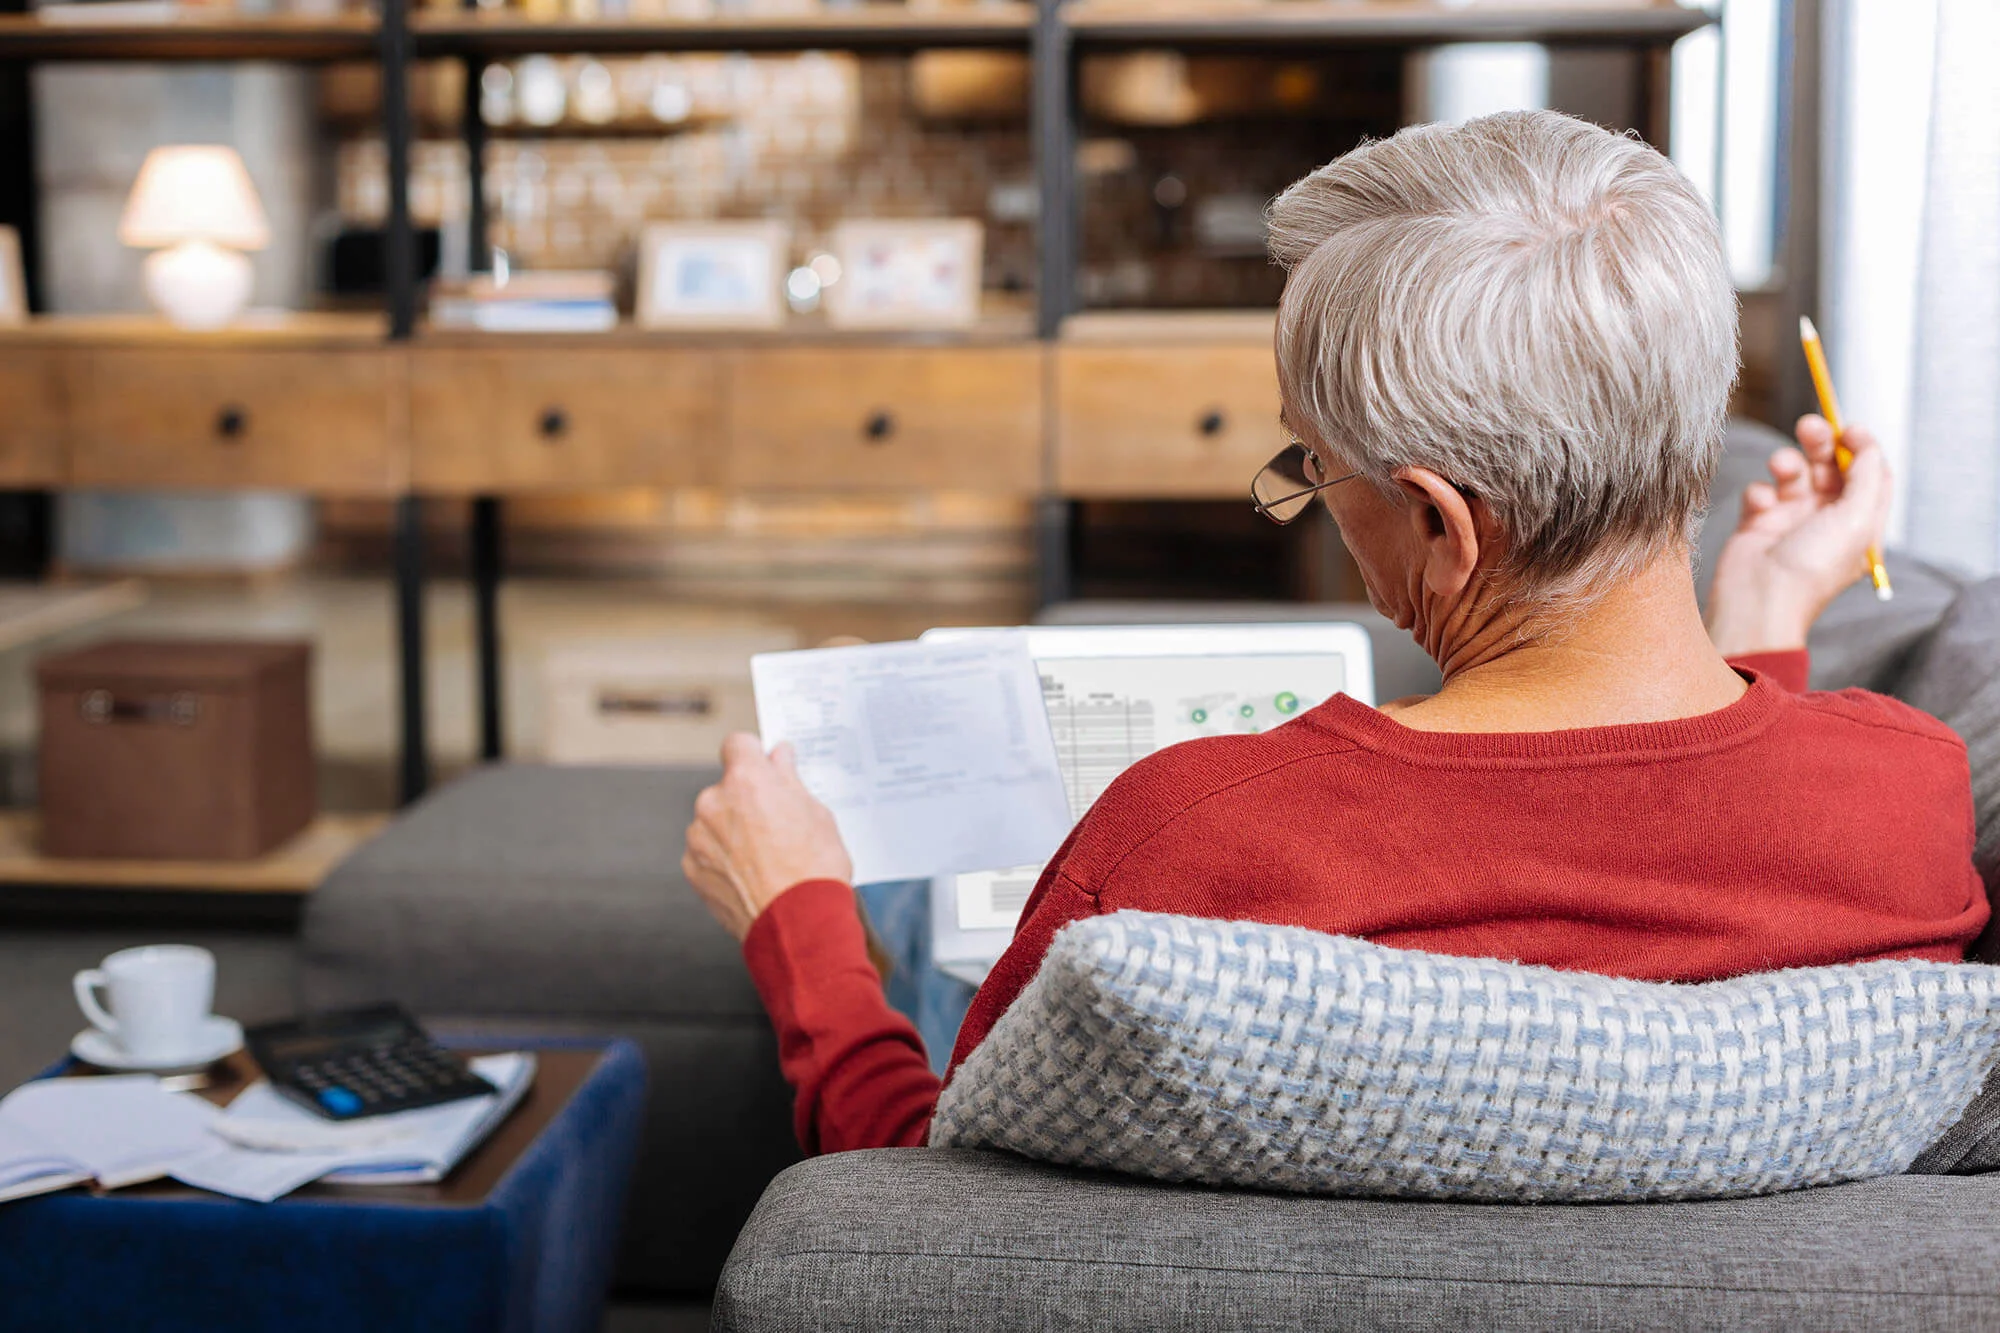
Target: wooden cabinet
[886, 418]
[563, 419]
[229, 417]
[1122, 406]
[1163, 421]
[33, 397]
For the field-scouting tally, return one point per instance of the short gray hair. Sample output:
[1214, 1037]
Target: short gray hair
[1529, 305]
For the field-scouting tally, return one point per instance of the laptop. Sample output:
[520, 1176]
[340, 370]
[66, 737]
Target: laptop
[1117, 693]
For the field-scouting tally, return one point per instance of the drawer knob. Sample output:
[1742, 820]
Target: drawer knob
[1212, 423]
[554, 423]
[231, 422]
[879, 427]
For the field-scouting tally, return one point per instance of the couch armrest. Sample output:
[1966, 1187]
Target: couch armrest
[532, 891]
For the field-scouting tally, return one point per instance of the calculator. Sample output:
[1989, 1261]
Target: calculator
[350, 1063]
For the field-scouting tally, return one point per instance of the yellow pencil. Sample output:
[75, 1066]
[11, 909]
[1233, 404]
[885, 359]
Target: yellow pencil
[1829, 407]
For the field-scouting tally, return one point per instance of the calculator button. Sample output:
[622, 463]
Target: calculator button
[340, 1101]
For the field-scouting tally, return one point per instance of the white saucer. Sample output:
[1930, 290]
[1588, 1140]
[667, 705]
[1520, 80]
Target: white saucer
[219, 1037]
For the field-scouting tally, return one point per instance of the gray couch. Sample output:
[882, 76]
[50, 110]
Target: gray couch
[527, 899]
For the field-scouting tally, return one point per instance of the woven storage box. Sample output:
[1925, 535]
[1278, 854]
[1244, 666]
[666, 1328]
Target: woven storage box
[175, 749]
[669, 701]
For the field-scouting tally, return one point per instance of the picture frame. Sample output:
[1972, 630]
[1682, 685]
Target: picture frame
[907, 274]
[712, 275]
[13, 279]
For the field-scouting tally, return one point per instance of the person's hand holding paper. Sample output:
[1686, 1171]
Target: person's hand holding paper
[758, 832]
[913, 759]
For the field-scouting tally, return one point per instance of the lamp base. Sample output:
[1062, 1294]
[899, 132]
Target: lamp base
[198, 284]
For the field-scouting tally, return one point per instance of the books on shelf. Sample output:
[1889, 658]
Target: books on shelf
[532, 302]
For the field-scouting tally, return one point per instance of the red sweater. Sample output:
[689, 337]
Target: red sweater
[1786, 830]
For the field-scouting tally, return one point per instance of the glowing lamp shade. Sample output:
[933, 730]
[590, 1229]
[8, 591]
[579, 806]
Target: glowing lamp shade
[195, 205]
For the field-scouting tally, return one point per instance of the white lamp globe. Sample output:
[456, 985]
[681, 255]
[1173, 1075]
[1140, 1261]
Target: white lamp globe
[194, 204]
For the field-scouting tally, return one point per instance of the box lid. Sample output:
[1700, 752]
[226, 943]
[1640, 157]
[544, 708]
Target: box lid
[171, 663]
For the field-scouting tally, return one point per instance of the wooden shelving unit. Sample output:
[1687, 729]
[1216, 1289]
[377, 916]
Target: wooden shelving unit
[200, 36]
[256, 329]
[298, 867]
[31, 612]
[491, 35]
[1268, 24]
[1074, 348]
[1000, 323]
[1253, 328]
[197, 36]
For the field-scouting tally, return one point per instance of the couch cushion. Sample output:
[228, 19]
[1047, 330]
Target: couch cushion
[1235, 1053]
[530, 889]
[909, 1239]
[1956, 679]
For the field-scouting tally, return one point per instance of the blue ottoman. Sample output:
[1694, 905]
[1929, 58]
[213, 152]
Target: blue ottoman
[520, 1238]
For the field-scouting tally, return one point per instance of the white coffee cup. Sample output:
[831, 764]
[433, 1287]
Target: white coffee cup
[160, 996]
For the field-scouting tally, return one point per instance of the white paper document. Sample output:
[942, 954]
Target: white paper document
[1115, 694]
[122, 1129]
[933, 757]
[264, 1146]
[259, 1177]
[30, 1166]
[118, 1130]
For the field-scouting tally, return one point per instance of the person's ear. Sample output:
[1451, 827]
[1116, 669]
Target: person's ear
[1451, 531]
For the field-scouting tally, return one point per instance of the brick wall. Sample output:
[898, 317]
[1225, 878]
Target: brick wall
[814, 138]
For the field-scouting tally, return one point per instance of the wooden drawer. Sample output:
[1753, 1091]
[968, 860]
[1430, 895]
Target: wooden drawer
[32, 404]
[228, 417]
[887, 418]
[563, 418]
[1140, 422]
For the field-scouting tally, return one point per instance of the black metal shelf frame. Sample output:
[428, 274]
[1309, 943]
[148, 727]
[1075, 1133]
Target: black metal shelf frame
[1053, 40]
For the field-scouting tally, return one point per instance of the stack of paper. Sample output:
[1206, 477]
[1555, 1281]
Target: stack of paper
[126, 1129]
[264, 1147]
[116, 1130]
[933, 757]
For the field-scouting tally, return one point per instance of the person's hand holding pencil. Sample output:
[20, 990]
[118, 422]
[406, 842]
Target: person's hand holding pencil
[1829, 408]
[1802, 538]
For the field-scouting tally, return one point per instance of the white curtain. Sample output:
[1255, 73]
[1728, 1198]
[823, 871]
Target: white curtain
[1911, 201]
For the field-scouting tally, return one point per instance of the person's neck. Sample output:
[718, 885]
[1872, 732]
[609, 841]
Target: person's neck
[1639, 653]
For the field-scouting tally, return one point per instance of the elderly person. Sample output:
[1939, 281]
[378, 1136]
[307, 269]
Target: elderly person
[1505, 351]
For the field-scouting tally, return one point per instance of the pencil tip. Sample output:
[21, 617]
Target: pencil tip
[1806, 329]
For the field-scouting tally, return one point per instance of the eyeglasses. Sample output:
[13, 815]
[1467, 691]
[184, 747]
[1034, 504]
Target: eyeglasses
[1285, 487]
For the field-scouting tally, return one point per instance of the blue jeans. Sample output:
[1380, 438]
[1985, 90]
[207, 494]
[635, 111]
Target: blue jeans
[900, 912]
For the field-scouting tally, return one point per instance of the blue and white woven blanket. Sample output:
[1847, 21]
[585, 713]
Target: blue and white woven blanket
[1273, 1057]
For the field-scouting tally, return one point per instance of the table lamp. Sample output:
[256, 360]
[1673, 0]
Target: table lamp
[195, 208]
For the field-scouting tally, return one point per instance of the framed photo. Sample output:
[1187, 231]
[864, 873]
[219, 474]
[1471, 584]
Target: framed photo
[712, 275]
[13, 279]
[906, 275]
